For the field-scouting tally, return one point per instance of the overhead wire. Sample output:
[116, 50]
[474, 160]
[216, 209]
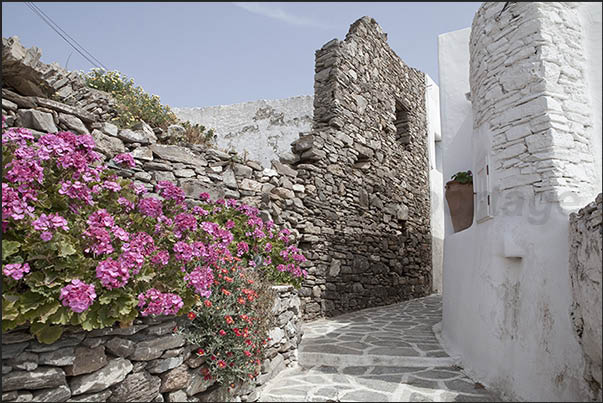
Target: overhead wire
[90, 58]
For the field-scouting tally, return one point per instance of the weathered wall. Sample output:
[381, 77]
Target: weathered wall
[368, 233]
[507, 293]
[145, 362]
[586, 244]
[354, 195]
[264, 129]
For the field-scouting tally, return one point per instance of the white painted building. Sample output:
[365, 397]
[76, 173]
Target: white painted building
[520, 100]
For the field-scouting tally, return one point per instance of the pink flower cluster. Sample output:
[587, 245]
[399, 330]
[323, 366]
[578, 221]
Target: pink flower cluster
[13, 205]
[161, 258]
[46, 223]
[151, 207]
[78, 295]
[154, 302]
[112, 274]
[201, 279]
[99, 224]
[169, 191]
[125, 159]
[15, 270]
[184, 222]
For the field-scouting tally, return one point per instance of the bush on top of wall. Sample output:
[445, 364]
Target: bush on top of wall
[83, 247]
[134, 104]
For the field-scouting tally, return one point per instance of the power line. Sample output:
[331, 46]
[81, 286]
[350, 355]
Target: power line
[61, 35]
[49, 22]
[63, 31]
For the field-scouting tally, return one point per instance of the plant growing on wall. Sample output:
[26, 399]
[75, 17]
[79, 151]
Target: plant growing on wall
[134, 104]
[83, 247]
[230, 327]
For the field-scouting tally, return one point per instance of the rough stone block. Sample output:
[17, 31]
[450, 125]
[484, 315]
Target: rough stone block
[87, 360]
[114, 372]
[41, 378]
[37, 120]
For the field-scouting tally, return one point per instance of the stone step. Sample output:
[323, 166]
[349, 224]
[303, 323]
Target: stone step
[307, 359]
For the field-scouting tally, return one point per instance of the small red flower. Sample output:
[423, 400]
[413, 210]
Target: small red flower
[222, 332]
[213, 358]
[241, 300]
[201, 351]
[192, 315]
[207, 303]
[226, 292]
[229, 354]
[247, 353]
[229, 319]
[221, 364]
[228, 279]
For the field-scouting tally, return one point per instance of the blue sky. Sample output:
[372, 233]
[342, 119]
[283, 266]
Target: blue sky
[202, 54]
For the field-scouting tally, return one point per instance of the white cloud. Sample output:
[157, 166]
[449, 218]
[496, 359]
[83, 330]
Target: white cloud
[271, 11]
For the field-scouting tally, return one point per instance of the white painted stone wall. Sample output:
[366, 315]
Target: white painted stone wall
[264, 129]
[434, 133]
[455, 108]
[506, 289]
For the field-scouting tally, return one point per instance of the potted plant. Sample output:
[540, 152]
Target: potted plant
[459, 195]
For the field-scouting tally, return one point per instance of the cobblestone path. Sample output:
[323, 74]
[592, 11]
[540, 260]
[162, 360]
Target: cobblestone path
[384, 354]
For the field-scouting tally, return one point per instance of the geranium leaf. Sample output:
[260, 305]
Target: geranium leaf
[9, 248]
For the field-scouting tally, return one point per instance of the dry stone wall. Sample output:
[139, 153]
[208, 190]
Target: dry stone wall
[147, 362]
[528, 88]
[354, 191]
[586, 244]
[367, 229]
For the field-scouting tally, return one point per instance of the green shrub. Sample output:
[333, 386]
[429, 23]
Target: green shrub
[231, 327]
[83, 247]
[134, 104]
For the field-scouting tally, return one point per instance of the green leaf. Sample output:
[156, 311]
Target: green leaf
[61, 317]
[9, 247]
[66, 249]
[30, 300]
[49, 334]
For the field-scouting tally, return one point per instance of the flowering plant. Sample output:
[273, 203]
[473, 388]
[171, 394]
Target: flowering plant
[230, 325]
[81, 246]
[134, 104]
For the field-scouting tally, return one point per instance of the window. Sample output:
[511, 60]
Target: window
[402, 124]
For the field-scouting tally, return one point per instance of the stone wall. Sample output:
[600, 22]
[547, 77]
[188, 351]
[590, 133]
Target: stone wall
[585, 238]
[262, 130]
[367, 232]
[354, 193]
[145, 362]
[528, 86]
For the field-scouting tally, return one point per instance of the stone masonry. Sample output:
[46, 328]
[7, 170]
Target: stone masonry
[528, 86]
[585, 238]
[145, 362]
[354, 192]
[367, 232]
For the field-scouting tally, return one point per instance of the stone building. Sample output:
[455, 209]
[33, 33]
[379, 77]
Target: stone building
[521, 108]
[367, 163]
[369, 234]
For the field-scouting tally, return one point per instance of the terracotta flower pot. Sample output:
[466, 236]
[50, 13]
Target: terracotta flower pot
[460, 202]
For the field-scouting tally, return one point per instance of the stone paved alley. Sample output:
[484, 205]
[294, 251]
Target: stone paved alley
[384, 354]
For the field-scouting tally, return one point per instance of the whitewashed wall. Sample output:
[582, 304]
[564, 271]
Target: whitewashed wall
[434, 133]
[263, 128]
[507, 293]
